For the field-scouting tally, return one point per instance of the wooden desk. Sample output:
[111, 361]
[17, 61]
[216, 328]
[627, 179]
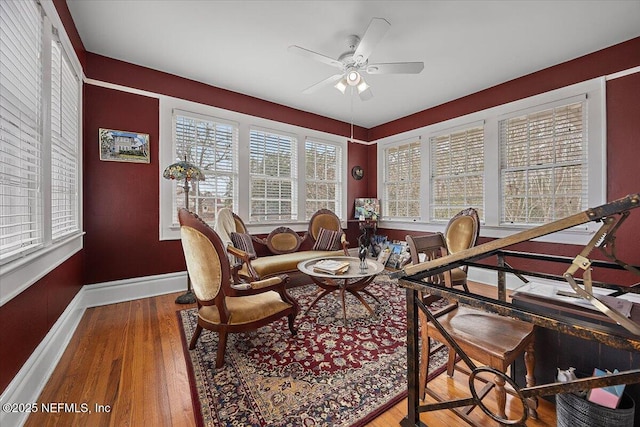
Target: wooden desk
[597, 334]
[560, 350]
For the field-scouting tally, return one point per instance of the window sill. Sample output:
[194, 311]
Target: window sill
[18, 275]
[572, 236]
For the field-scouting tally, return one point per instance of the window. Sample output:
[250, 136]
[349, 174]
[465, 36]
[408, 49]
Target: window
[457, 172]
[20, 128]
[64, 144]
[522, 164]
[543, 165]
[258, 167]
[40, 168]
[273, 176]
[323, 175]
[212, 145]
[402, 180]
[40, 140]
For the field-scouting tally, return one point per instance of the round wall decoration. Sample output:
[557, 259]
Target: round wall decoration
[357, 172]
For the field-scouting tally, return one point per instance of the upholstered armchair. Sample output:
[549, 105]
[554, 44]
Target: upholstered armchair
[321, 221]
[225, 306]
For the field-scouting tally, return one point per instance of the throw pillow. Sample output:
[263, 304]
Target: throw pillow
[243, 242]
[328, 240]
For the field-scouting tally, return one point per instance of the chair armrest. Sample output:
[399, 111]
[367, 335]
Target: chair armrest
[269, 283]
[276, 283]
[238, 253]
[242, 255]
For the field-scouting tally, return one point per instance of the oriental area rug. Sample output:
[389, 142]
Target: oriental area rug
[327, 375]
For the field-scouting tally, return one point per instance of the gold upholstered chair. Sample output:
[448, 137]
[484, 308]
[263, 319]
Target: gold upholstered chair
[223, 305]
[325, 220]
[461, 233]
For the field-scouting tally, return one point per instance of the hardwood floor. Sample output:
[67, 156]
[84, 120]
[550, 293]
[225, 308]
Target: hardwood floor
[125, 366]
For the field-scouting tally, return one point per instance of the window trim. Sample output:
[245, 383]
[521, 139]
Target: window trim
[20, 273]
[169, 231]
[595, 92]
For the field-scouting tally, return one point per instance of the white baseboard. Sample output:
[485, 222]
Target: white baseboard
[26, 386]
[132, 289]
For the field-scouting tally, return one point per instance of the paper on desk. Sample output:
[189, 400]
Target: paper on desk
[622, 305]
[544, 290]
[630, 297]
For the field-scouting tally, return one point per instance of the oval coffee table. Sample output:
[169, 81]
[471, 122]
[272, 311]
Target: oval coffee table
[354, 280]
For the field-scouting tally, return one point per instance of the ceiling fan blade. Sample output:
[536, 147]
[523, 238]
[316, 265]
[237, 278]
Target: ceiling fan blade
[366, 94]
[326, 82]
[396, 68]
[377, 28]
[314, 55]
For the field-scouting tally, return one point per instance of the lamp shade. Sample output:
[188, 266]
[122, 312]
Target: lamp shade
[183, 170]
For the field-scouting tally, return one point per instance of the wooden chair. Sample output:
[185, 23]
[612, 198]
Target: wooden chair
[488, 338]
[225, 306]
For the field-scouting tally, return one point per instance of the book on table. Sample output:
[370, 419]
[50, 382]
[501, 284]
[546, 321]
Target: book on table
[331, 266]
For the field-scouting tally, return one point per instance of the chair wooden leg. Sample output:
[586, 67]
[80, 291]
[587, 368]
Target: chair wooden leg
[194, 338]
[425, 344]
[530, 363]
[501, 396]
[291, 318]
[222, 345]
[451, 362]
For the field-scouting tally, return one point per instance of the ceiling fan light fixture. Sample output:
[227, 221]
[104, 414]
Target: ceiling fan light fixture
[353, 77]
[341, 85]
[362, 86]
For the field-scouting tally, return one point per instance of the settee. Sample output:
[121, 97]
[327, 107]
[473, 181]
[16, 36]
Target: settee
[282, 250]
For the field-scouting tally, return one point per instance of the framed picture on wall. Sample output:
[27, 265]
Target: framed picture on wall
[123, 146]
[367, 208]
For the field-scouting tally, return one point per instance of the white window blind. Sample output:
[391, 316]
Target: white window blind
[212, 145]
[21, 80]
[273, 176]
[543, 165]
[323, 177]
[402, 181]
[457, 172]
[64, 145]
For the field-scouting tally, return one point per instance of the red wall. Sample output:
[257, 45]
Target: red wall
[121, 200]
[28, 317]
[110, 70]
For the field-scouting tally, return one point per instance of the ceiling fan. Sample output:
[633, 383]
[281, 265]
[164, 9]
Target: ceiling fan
[355, 61]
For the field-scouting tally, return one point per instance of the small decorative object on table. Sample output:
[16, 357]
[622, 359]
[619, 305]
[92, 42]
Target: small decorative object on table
[362, 254]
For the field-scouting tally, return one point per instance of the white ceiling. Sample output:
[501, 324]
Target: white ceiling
[466, 46]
